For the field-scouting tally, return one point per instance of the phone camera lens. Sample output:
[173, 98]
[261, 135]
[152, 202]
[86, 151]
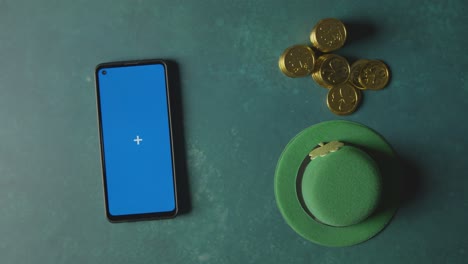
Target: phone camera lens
[104, 72]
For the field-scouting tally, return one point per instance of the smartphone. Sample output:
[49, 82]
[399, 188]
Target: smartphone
[135, 128]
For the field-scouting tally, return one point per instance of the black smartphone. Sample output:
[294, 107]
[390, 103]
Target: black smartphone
[137, 154]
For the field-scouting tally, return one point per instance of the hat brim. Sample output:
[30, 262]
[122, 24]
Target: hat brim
[287, 172]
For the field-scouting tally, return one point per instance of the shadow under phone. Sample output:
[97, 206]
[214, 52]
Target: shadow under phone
[180, 158]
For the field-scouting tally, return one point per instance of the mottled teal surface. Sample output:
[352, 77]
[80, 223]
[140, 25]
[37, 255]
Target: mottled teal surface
[239, 113]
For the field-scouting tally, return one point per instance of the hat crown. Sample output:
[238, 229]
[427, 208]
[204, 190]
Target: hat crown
[341, 188]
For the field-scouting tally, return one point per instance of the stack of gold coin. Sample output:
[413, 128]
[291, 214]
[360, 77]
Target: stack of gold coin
[333, 71]
[343, 99]
[374, 75]
[297, 61]
[328, 35]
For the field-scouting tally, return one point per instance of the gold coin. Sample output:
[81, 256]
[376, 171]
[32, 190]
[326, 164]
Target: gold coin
[374, 75]
[331, 70]
[355, 71]
[343, 99]
[297, 61]
[328, 35]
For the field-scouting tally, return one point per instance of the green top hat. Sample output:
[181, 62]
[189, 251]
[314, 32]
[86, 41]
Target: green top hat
[336, 183]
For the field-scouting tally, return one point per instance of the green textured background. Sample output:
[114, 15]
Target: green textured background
[239, 113]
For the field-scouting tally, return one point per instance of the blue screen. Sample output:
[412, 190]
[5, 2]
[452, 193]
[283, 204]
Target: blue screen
[136, 139]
